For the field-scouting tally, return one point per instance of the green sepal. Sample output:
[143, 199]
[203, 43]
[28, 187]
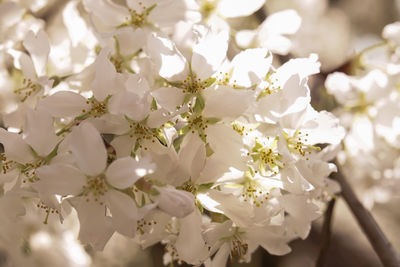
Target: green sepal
[208, 82]
[199, 105]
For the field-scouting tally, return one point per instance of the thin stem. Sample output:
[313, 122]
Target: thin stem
[383, 248]
[326, 234]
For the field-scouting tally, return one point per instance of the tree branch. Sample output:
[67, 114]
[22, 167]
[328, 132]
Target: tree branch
[325, 234]
[371, 229]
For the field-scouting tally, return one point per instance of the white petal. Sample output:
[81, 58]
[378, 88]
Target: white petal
[239, 8]
[61, 179]
[392, 32]
[250, 66]
[15, 147]
[76, 26]
[40, 134]
[239, 212]
[10, 14]
[24, 62]
[192, 155]
[110, 124]
[221, 257]
[88, 148]
[109, 13]
[123, 145]
[209, 54]
[303, 67]
[283, 22]
[191, 230]
[64, 104]
[130, 40]
[124, 212]
[39, 48]
[226, 102]
[124, 172]
[95, 228]
[168, 97]
[128, 103]
[323, 128]
[273, 239]
[291, 99]
[168, 61]
[245, 38]
[339, 85]
[105, 80]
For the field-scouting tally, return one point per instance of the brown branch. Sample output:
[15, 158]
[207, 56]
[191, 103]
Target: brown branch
[383, 248]
[325, 234]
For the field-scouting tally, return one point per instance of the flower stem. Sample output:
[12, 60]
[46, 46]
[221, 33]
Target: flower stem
[383, 248]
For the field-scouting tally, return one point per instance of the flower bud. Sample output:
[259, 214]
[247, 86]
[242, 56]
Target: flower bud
[175, 202]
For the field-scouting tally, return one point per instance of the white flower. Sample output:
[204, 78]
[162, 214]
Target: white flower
[94, 187]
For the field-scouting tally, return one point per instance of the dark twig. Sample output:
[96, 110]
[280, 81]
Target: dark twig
[326, 234]
[383, 248]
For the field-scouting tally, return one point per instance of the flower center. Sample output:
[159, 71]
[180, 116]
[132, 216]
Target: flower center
[270, 89]
[142, 133]
[98, 108]
[29, 171]
[139, 18]
[268, 158]
[239, 249]
[6, 165]
[193, 85]
[253, 192]
[29, 87]
[144, 226]
[207, 7]
[48, 210]
[297, 145]
[95, 188]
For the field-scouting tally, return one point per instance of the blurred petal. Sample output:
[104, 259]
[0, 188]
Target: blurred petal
[38, 47]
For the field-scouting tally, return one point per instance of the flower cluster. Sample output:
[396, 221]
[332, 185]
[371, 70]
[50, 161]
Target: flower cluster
[141, 118]
[370, 110]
